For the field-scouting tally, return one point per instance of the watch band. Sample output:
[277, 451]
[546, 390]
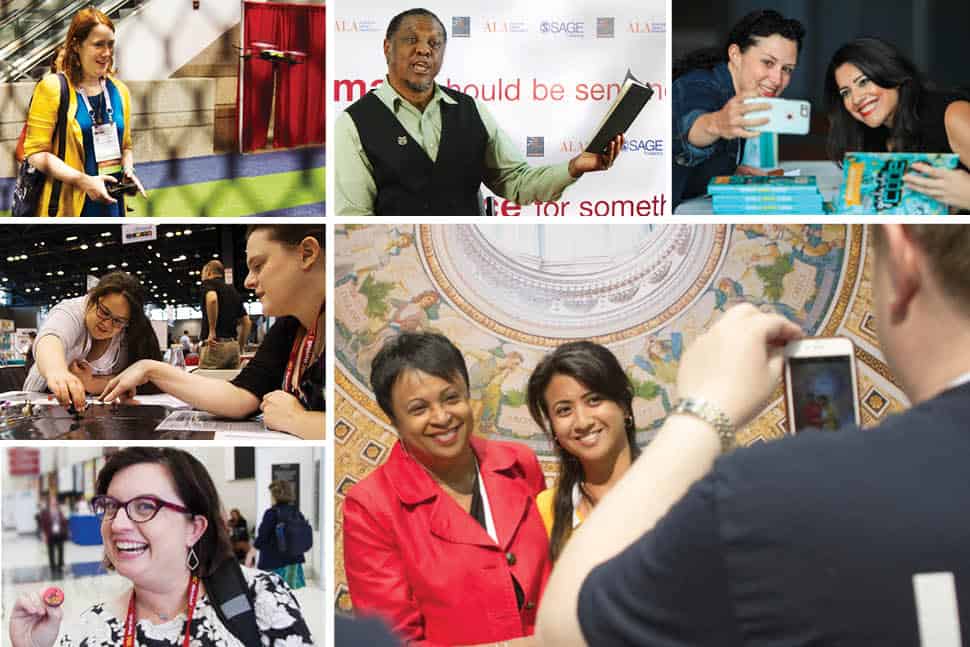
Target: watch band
[700, 408]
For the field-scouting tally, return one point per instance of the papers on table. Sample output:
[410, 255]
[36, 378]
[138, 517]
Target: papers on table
[191, 420]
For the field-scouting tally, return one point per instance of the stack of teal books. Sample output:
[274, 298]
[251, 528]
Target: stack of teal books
[765, 194]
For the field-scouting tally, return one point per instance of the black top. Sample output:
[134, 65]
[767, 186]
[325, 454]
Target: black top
[270, 556]
[408, 182]
[477, 511]
[265, 372]
[230, 308]
[809, 540]
[932, 127]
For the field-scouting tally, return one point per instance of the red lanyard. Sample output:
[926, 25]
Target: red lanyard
[306, 348]
[130, 620]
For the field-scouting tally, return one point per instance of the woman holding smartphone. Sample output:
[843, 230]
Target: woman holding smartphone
[710, 117]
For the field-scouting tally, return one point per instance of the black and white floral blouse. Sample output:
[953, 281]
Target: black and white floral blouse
[278, 617]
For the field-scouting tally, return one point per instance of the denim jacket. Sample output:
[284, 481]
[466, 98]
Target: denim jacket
[696, 93]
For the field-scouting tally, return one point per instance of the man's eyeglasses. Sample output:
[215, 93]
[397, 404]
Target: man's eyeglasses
[106, 315]
[140, 509]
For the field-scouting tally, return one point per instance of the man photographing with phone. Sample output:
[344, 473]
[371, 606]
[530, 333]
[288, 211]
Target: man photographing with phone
[851, 538]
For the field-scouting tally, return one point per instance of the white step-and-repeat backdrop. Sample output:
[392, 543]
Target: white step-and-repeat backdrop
[548, 72]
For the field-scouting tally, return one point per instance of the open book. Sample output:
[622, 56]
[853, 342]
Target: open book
[627, 105]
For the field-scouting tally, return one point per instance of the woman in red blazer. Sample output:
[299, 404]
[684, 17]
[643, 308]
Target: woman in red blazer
[444, 540]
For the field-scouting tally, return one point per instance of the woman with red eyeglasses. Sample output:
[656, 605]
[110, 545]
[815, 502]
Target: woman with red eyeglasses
[162, 530]
[87, 340]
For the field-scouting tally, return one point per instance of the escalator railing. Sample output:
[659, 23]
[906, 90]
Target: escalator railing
[36, 45]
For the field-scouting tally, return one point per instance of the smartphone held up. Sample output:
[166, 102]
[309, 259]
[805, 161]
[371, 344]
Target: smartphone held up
[821, 386]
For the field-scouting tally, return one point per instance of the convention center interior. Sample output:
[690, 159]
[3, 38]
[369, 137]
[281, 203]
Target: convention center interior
[506, 296]
[223, 102]
[58, 534]
[173, 314]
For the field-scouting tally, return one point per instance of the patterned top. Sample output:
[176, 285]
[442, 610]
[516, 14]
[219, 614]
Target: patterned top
[278, 617]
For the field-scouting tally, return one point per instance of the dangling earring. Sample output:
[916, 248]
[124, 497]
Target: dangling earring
[630, 425]
[192, 560]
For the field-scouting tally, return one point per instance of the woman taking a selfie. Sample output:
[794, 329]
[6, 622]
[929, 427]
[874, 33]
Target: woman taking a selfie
[710, 117]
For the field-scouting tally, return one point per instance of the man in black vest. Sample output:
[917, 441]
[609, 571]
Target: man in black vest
[847, 538]
[413, 147]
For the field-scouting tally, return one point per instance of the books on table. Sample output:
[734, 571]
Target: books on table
[873, 184]
[765, 194]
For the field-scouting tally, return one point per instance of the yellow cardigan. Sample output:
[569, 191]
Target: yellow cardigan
[40, 137]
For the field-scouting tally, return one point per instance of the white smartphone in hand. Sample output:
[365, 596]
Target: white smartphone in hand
[821, 386]
[785, 116]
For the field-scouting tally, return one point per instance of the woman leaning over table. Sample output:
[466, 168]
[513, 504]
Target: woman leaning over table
[85, 341]
[285, 378]
[99, 109]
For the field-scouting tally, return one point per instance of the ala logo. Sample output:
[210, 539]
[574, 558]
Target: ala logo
[504, 26]
[572, 146]
[355, 25]
[647, 27]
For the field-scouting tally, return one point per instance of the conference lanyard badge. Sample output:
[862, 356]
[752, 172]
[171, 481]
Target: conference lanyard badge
[107, 148]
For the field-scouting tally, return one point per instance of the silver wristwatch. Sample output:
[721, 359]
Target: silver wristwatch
[713, 416]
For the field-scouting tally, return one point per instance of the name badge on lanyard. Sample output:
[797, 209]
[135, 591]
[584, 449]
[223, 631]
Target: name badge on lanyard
[107, 148]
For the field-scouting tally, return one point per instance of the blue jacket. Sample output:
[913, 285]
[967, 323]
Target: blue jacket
[696, 93]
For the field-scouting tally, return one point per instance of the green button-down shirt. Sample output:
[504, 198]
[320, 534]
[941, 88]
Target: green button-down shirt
[506, 172]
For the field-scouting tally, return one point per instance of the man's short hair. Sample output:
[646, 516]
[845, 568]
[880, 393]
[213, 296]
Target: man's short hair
[214, 267]
[946, 248]
[429, 353]
[395, 23]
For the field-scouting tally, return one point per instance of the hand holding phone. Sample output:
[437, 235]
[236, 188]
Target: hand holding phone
[785, 116]
[125, 187]
[821, 386]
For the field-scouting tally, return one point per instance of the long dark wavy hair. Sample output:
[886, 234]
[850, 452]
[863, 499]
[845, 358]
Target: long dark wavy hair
[887, 67]
[140, 336]
[597, 369]
[745, 33]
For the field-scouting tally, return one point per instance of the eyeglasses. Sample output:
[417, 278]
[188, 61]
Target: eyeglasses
[106, 315]
[141, 509]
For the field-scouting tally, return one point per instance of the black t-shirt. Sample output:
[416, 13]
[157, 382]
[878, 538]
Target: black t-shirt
[811, 540]
[230, 308]
[265, 371]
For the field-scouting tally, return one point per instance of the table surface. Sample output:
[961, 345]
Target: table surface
[828, 176]
[119, 422]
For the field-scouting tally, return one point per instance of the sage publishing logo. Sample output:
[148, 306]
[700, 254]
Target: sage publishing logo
[461, 26]
[605, 27]
[535, 146]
